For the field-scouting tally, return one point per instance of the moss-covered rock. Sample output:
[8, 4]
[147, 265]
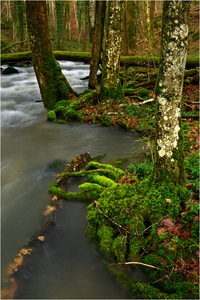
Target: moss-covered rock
[51, 116]
[108, 170]
[102, 180]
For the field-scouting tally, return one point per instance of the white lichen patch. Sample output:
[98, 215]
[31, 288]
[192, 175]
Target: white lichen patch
[113, 44]
[169, 127]
[169, 96]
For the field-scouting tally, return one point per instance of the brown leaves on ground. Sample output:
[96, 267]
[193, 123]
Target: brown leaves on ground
[189, 267]
[127, 180]
[9, 290]
[193, 135]
[190, 92]
[167, 225]
[49, 209]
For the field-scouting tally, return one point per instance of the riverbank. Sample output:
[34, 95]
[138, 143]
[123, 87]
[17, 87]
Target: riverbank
[134, 224]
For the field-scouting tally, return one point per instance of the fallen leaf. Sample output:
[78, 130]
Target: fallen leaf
[41, 238]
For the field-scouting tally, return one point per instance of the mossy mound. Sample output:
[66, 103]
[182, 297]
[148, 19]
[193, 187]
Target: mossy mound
[98, 176]
[140, 222]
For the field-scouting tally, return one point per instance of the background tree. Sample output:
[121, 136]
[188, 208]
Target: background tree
[84, 25]
[110, 82]
[169, 137]
[59, 19]
[52, 83]
[100, 9]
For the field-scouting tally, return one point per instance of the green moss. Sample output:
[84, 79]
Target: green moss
[91, 191]
[59, 192]
[71, 114]
[119, 248]
[102, 180]
[143, 94]
[142, 290]
[141, 170]
[51, 116]
[115, 93]
[64, 103]
[105, 234]
[108, 170]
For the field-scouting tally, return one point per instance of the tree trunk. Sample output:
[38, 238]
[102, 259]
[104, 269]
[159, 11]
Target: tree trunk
[169, 87]
[52, 83]
[110, 83]
[59, 19]
[97, 42]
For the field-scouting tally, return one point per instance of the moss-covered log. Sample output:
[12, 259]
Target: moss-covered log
[12, 58]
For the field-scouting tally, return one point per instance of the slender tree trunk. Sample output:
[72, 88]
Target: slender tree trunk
[169, 87]
[125, 35]
[21, 28]
[110, 82]
[97, 42]
[59, 21]
[52, 83]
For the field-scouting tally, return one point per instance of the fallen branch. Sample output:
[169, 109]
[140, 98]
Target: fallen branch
[139, 103]
[12, 45]
[144, 102]
[137, 263]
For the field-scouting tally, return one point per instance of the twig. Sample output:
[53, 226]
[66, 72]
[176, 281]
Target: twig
[13, 44]
[143, 102]
[150, 226]
[137, 263]
[166, 276]
[139, 103]
[114, 222]
[145, 251]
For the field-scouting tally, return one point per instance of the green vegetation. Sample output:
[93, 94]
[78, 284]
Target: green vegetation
[192, 62]
[136, 220]
[155, 226]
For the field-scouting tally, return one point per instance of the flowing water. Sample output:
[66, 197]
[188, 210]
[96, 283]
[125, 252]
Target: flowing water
[66, 265]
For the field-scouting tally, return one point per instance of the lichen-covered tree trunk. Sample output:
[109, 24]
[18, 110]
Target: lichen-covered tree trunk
[52, 83]
[169, 87]
[97, 42]
[110, 82]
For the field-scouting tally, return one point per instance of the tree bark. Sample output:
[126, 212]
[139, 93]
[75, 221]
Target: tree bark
[52, 83]
[110, 83]
[169, 87]
[97, 42]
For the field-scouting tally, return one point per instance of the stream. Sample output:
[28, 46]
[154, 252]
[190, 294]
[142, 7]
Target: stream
[66, 265]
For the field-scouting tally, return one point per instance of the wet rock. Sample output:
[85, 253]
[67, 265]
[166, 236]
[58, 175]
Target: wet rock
[9, 70]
